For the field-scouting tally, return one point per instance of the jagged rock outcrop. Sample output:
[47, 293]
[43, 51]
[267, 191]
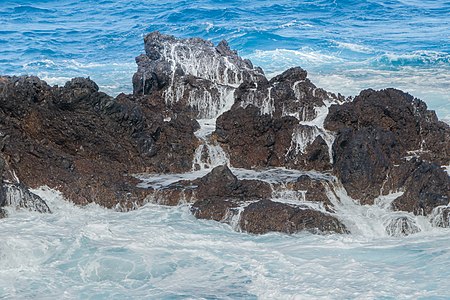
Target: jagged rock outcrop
[277, 122]
[255, 140]
[221, 196]
[191, 74]
[417, 129]
[388, 141]
[87, 144]
[90, 146]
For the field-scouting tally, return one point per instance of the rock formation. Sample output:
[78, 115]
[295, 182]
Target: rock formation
[279, 154]
[250, 205]
[388, 141]
[87, 144]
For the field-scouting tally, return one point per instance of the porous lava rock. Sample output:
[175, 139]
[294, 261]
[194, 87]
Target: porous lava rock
[87, 144]
[277, 122]
[266, 216]
[387, 141]
[221, 196]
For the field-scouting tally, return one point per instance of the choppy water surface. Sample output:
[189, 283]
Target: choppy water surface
[345, 45]
[161, 252]
[165, 253]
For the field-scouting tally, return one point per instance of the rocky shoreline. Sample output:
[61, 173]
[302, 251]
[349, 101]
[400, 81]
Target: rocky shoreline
[274, 154]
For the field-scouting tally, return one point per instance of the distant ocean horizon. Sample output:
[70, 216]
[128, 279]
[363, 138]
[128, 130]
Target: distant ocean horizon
[159, 252]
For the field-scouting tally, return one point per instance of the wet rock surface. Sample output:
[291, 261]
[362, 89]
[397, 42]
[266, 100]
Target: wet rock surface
[89, 145]
[85, 143]
[246, 204]
[191, 74]
[284, 116]
[265, 216]
[388, 141]
[426, 187]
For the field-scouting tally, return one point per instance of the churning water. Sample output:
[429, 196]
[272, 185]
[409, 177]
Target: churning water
[159, 252]
[162, 252]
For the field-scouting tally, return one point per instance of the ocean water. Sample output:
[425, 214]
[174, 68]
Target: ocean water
[161, 252]
[346, 45]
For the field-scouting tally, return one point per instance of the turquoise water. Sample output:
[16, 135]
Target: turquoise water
[345, 45]
[165, 253]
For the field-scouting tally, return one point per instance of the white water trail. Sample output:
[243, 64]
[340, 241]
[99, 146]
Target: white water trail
[377, 220]
[209, 153]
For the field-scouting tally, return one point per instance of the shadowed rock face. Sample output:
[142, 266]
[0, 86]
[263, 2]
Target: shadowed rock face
[417, 129]
[377, 135]
[426, 187]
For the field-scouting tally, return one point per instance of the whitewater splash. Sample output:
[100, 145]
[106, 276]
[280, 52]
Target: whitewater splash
[187, 68]
[369, 221]
[209, 153]
[82, 252]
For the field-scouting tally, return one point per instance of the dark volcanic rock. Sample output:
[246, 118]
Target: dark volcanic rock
[87, 144]
[308, 189]
[18, 196]
[416, 128]
[376, 133]
[84, 143]
[191, 74]
[288, 94]
[255, 140]
[362, 160]
[222, 183]
[272, 123]
[215, 209]
[426, 187]
[265, 216]
[221, 196]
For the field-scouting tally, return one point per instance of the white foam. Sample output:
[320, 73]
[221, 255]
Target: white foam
[354, 47]
[155, 251]
[447, 169]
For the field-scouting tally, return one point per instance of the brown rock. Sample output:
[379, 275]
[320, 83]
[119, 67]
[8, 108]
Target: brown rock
[214, 209]
[266, 216]
[426, 186]
[85, 143]
[375, 134]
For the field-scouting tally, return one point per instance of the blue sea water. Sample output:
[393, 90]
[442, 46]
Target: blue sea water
[346, 45]
[165, 253]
